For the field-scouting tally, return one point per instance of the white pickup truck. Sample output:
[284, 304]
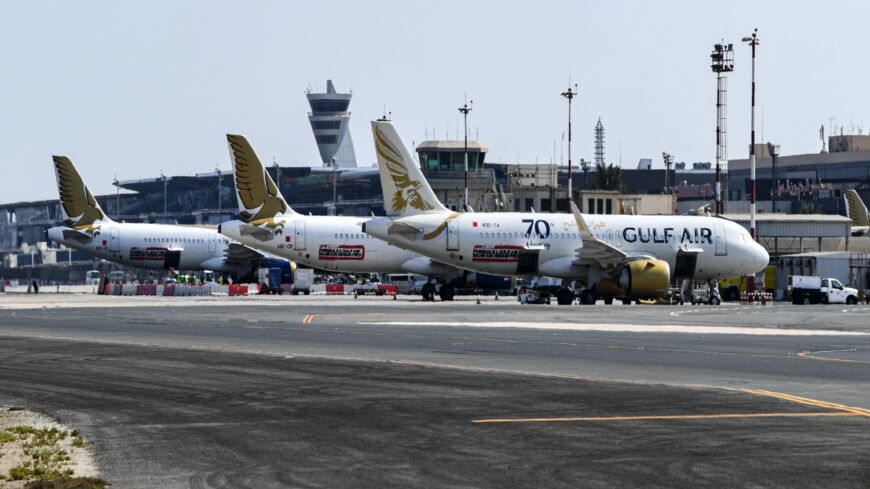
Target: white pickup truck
[813, 290]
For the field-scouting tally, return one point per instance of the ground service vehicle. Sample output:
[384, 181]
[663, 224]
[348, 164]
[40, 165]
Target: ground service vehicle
[302, 281]
[814, 290]
[269, 280]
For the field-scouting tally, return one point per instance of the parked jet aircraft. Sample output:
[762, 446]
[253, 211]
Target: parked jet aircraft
[156, 246]
[613, 255]
[857, 211]
[332, 243]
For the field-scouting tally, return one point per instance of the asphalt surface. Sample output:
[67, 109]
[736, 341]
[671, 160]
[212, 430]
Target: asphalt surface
[318, 392]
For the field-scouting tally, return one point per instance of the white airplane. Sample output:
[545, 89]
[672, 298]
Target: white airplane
[155, 246]
[622, 256]
[857, 212]
[331, 243]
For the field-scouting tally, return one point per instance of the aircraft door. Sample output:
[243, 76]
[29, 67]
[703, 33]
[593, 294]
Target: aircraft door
[452, 235]
[172, 260]
[721, 240]
[114, 240]
[299, 235]
[527, 262]
[212, 243]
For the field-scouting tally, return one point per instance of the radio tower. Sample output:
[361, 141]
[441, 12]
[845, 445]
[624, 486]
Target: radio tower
[599, 142]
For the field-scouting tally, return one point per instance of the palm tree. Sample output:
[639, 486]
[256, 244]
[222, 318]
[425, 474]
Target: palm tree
[609, 177]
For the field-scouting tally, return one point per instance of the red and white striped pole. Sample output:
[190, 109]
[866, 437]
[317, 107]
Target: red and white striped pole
[753, 42]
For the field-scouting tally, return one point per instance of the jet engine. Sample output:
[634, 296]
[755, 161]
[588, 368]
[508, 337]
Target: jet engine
[645, 279]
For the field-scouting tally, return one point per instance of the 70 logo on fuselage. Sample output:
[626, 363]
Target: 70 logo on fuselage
[540, 226]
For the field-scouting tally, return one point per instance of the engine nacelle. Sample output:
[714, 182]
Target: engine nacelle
[645, 279]
[483, 281]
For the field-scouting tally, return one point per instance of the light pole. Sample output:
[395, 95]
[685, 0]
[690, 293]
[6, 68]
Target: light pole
[220, 177]
[753, 42]
[117, 185]
[465, 109]
[165, 184]
[669, 160]
[569, 94]
[277, 173]
[773, 149]
[722, 61]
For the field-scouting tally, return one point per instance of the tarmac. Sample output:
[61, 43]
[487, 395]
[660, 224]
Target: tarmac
[374, 392]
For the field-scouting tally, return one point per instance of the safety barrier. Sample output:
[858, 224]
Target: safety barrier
[236, 290]
[176, 290]
[757, 297]
[334, 289]
[389, 289]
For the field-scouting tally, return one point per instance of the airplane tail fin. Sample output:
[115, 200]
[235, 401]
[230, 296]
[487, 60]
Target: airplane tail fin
[406, 190]
[258, 196]
[79, 207]
[855, 209]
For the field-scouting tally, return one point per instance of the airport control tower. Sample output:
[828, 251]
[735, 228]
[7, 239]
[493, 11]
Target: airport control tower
[330, 121]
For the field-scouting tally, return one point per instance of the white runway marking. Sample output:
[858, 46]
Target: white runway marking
[630, 328]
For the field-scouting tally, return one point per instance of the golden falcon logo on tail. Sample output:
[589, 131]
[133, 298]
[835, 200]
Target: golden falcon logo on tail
[80, 207]
[260, 198]
[407, 190]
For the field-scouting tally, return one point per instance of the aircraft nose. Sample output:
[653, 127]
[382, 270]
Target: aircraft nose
[761, 256]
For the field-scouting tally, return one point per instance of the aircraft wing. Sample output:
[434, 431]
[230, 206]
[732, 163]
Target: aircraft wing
[609, 258]
[239, 253]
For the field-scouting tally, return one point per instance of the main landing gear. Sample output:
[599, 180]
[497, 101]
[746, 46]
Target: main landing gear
[446, 292]
[565, 297]
[588, 297]
[428, 292]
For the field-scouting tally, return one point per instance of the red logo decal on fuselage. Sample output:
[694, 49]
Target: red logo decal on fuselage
[341, 252]
[148, 254]
[496, 254]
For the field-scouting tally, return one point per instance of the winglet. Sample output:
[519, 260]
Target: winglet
[582, 228]
[258, 196]
[79, 207]
[405, 189]
[855, 208]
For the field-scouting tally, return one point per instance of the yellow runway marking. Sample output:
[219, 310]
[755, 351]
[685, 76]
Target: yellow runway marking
[840, 411]
[308, 319]
[857, 411]
[663, 418]
[810, 355]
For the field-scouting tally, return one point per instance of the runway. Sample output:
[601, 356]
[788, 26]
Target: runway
[317, 392]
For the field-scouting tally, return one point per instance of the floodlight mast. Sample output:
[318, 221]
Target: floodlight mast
[722, 61]
[753, 42]
[465, 109]
[569, 94]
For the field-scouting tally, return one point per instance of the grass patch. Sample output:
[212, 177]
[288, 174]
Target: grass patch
[28, 470]
[6, 437]
[49, 462]
[68, 483]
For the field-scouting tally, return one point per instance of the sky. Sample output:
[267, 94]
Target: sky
[130, 89]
